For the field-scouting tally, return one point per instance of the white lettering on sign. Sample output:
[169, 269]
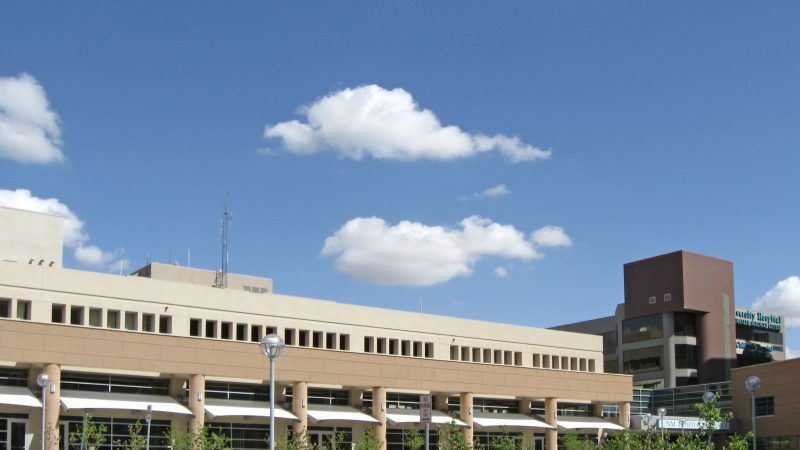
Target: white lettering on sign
[425, 408]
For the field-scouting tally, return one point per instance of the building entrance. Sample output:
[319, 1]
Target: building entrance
[538, 443]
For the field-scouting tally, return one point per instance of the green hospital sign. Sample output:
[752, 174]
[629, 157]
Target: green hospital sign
[758, 320]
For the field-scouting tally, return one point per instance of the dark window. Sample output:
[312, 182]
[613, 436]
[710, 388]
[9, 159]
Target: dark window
[303, 338]
[610, 366]
[76, 315]
[685, 381]
[747, 333]
[288, 336]
[57, 314]
[642, 328]
[685, 356]
[429, 349]
[330, 341]
[241, 331]
[112, 319]
[610, 342]
[381, 345]
[255, 333]
[685, 324]
[226, 330]
[5, 307]
[23, 310]
[765, 406]
[211, 328]
[344, 342]
[316, 339]
[149, 322]
[95, 317]
[643, 360]
[369, 343]
[194, 327]
[165, 324]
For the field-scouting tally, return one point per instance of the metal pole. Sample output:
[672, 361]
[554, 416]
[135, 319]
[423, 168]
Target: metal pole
[83, 436]
[44, 412]
[147, 444]
[272, 404]
[753, 416]
[427, 436]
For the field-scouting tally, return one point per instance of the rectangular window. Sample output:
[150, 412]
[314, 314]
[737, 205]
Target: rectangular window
[507, 358]
[211, 328]
[685, 356]
[583, 364]
[131, 320]
[149, 323]
[454, 353]
[369, 344]
[165, 324]
[394, 347]
[330, 341]
[316, 339]
[765, 406]
[112, 319]
[555, 361]
[667, 297]
[537, 360]
[76, 315]
[241, 331]
[573, 364]
[610, 366]
[487, 355]
[465, 353]
[194, 327]
[564, 363]
[270, 330]
[381, 345]
[418, 349]
[95, 317]
[685, 324]
[517, 358]
[57, 313]
[476, 354]
[429, 349]
[610, 342]
[652, 301]
[255, 333]
[405, 348]
[545, 361]
[303, 340]
[226, 330]
[592, 367]
[5, 308]
[288, 336]
[344, 342]
[642, 328]
[643, 360]
[23, 310]
[498, 357]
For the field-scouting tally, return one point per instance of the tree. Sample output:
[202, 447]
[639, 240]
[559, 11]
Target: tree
[502, 442]
[202, 439]
[135, 441]
[451, 438]
[413, 439]
[369, 440]
[93, 437]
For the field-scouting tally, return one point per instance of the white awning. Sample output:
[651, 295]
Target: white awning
[497, 420]
[401, 416]
[18, 396]
[87, 400]
[586, 423]
[241, 408]
[324, 413]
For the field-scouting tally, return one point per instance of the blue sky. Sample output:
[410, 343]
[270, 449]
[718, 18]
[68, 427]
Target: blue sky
[671, 126]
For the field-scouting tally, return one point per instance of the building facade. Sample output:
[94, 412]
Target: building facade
[165, 337]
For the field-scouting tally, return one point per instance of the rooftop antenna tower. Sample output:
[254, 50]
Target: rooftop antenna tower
[221, 279]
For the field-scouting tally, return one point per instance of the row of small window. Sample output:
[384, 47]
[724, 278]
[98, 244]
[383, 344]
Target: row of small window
[485, 355]
[23, 310]
[563, 362]
[398, 347]
[652, 300]
[128, 320]
[254, 333]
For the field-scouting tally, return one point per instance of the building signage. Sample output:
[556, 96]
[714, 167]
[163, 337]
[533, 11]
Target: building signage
[758, 320]
[425, 408]
[653, 422]
[755, 347]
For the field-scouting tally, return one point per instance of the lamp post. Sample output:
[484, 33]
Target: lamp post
[272, 347]
[43, 380]
[753, 385]
[661, 413]
[709, 397]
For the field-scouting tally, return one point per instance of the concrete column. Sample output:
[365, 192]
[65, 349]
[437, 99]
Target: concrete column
[466, 415]
[354, 399]
[624, 414]
[176, 390]
[53, 403]
[300, 405]
[379, 412]
[550, 409]
[197, 402]
[281, 426]
[527, 433]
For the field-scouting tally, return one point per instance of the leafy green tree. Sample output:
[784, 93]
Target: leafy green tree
[575, 442]
[369, 440]
[136, 440]
[203, 439]
[503, 442]
[451, 438]
[95, 436]
[295, 441]
[413, 439]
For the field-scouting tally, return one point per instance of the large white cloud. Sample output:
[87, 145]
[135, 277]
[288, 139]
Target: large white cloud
[413, 254]
[75, 237]
[388, 124]
[29, 128]
[783, 298]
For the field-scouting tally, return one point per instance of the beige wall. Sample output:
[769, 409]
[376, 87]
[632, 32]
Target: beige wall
[28, 235]
[779, 380]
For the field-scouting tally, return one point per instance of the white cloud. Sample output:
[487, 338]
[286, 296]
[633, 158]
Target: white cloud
[493, 192]
[75, 237]
[551, 236]
[29, 129]
[414, 254]
[783, 298]
[501, 272]
[388, 124]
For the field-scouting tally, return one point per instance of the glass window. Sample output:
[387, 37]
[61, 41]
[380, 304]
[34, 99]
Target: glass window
[747, 333]
[131, 320]
[429, 349]
[344, 342]
[112, 319]
[76, 315]
[685, 356]
[149, 323]
[211, 328]
[685, 324]
[57, 314]
[226, 329]
[165, 324]
[642, 328]
[5, 307]
[241, 331]
[95, 317]
[765, 406]
[610, 366]
[194, 327]
[23, 309]
[610, 342]
[643, 360]
[255, 333]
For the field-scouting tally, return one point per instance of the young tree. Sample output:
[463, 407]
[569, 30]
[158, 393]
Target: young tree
[135, 441]
[369, 440]
[451, 438]
[413, 439]
[93, 437]
[503, 442]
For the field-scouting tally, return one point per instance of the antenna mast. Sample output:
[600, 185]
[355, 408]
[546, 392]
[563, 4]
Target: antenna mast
[221, 280]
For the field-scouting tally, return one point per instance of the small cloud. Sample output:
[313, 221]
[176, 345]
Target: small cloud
[784, 299]
[551, 236]
[500, 272]
[266, 151]
[30, 131]
[493, 192]
[388, 124]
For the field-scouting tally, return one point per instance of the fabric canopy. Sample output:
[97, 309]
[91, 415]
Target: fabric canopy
[240, 408]
[586, 422]
[84, 400]
[496, 420]
[323, 413]
[18, 396]
[401, 416]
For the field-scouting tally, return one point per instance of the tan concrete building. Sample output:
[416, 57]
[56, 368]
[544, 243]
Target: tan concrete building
[164, 337]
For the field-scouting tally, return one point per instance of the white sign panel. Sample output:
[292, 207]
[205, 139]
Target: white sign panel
[425, 408]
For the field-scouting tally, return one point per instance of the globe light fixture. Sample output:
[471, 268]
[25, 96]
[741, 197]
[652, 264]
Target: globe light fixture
[753, 385]
[43, 380]
[661, 413]
[272, 347]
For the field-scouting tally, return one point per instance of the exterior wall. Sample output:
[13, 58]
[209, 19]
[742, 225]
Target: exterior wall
[27, 236]
[779, 380]
[202, 277]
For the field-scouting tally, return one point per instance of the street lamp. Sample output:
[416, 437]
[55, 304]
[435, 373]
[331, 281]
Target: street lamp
[709, 397]
[272, 347]
[753, 385]
[661, 413]
[42, 380]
